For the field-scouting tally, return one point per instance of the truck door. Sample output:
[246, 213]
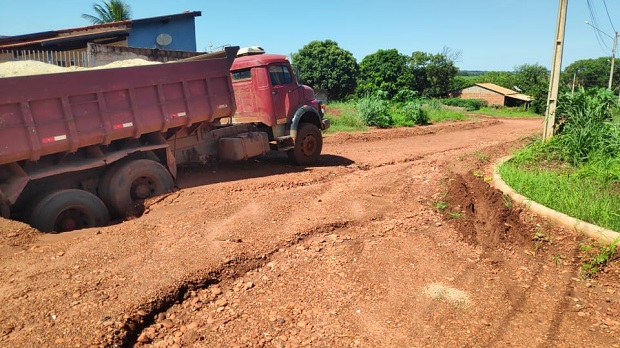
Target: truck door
[284, 91]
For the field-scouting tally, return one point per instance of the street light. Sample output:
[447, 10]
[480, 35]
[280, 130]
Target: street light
[613, 51]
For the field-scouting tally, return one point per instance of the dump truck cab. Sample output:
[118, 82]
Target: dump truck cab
[268, 94]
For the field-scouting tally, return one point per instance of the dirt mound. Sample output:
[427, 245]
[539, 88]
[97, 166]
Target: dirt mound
[16, 234]
[482, 214]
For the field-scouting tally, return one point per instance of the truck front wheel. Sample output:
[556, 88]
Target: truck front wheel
[128, 183]
[308, 145]
[68, 210]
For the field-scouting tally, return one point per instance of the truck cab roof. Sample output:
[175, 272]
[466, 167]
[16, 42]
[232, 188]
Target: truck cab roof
[257, 60]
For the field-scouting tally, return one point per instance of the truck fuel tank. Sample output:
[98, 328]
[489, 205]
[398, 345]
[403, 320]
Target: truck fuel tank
[243, 146]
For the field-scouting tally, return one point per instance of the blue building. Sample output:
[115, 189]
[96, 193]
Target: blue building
[171, 32]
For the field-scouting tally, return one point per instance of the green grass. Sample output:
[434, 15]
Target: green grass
[597, 258]
[563, 189]
[507, 112]
[344, 118]
[445, 115]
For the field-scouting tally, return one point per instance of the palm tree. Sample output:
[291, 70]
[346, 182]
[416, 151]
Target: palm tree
[110, 11]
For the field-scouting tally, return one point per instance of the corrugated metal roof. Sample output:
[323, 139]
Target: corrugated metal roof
[521, 96]
[505, 91]
[85, 35]
[495, 88]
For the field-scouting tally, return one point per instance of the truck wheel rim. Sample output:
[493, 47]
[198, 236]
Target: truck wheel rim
[71, 219]
[308, 146]
[143, 188]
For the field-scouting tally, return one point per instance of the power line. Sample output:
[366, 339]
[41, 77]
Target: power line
[608, 16]
[594, 21]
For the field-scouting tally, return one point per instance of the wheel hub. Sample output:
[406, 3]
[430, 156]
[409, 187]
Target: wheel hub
[142, 188]
[308, 145]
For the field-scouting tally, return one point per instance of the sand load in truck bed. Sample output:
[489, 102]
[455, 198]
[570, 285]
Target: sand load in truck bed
[33, 67]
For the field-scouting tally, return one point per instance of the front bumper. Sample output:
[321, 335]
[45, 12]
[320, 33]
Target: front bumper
[325, 123]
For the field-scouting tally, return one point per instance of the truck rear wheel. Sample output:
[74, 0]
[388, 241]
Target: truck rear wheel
[126, 184]
[308, 145]
[5, 208]
[68, 210]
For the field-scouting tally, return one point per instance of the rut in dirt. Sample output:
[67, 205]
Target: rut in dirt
[228, 272]
[483, 215]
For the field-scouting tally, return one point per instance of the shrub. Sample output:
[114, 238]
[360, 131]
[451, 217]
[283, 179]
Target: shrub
[405, 95]
[414, 112]
[585, 126]
[374, 111]
[469, 104]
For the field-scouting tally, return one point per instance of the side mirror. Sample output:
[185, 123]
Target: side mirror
[297, 74]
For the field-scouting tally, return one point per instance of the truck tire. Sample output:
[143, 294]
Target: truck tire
[68, 210]
[5, 207]
[308, 145]
[129, 183]
[5, 210]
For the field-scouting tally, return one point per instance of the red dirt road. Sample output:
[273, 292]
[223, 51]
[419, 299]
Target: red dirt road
[393, 240]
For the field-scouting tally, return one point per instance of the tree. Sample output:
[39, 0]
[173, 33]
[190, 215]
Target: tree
[440, 72]
[590, 73]
[501, 78]
[417, 63]
[432, 74]
[533, 80]
[324, 65]
[384, 70]
[110, 11]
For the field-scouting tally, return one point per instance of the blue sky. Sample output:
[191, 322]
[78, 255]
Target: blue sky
[490, 34]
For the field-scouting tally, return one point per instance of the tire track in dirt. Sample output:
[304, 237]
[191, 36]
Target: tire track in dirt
[489, 221]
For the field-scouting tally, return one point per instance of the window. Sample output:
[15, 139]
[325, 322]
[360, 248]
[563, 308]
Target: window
[244, 74]
[280, 75]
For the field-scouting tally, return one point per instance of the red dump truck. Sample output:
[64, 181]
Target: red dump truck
[80, 148]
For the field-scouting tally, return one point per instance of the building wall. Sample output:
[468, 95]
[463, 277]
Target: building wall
[477, 92]
[102, 54]
[182, 30]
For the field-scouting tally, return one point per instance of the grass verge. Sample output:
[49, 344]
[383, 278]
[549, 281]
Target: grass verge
[562, 189]
[507, 112]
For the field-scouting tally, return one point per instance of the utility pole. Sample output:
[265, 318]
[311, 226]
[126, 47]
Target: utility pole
[613, 52]
[556, 66]
[613, 59]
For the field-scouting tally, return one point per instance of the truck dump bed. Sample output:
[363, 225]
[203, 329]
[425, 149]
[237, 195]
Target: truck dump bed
[55, 113]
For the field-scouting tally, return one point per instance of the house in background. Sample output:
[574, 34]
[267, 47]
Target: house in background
[172, 32]
[493, 94]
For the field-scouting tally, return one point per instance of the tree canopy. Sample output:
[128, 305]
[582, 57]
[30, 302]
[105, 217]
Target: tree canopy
[591, 73]
[324, 65]
[384, 70]
[533, 80]
[440, 71]
[109, 11]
